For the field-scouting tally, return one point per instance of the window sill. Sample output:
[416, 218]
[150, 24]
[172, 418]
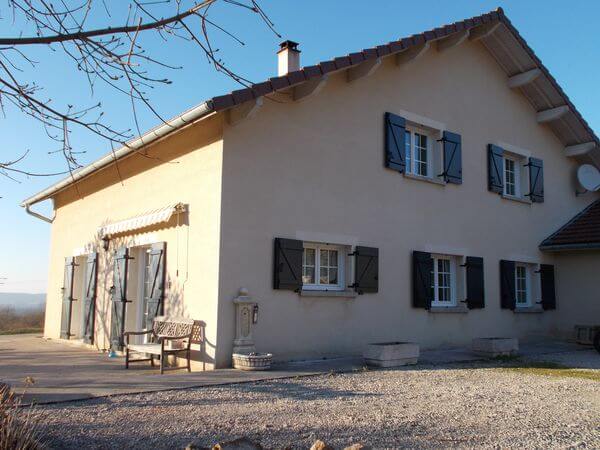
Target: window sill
[528, 309]
[459, 309]
[426, 179]
[516, 199]
[334, 294]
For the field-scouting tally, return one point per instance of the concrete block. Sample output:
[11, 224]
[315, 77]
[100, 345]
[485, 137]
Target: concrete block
[391, 354]
[495, 346]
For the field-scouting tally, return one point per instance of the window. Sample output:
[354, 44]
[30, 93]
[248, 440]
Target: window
[443, 281]
[511, 176]
[418, 152]
[522, 285]
[323, 267]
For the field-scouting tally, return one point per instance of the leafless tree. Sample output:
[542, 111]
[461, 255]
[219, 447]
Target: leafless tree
[113, 54]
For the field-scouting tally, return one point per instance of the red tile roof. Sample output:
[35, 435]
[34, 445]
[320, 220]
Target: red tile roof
[581, 232]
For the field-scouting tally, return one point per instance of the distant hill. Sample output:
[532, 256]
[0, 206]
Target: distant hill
[22, 301]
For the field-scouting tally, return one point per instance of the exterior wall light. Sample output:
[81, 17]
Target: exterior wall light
[255, 314]
[105, 242]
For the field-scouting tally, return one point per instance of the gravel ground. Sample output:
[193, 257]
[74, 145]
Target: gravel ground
[468, 405]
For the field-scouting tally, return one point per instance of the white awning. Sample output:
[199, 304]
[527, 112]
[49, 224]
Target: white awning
[153, 217]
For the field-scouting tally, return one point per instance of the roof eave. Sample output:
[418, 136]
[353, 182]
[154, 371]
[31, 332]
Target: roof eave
[567, 247]
[170, 126]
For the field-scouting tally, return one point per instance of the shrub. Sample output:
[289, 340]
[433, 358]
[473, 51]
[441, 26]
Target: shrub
[18, 427]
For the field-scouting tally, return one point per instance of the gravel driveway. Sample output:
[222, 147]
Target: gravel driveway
[468, 405]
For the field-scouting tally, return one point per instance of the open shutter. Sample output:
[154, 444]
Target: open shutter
[119, 297]
[536, 180]
[422, 269]
[287, 264]
[157, 256]
[548, 290]
[67, 298]
[395, 127]
[475, 285]
[452, 157]
[507, 285]
[366, 270]
[495, 164]
[89, 302]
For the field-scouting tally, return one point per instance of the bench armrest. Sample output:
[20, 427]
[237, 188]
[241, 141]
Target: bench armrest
[135, 333]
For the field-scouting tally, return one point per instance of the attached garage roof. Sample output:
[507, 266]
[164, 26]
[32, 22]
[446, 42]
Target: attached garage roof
[493, 30]
[581, 232]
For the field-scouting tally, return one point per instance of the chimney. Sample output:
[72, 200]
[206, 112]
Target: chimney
[288, 58]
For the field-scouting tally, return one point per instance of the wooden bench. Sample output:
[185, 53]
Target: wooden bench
[168, 336]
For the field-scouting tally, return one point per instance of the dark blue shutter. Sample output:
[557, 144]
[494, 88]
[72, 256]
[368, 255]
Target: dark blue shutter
[67, 298]
[475, 284]
[536, 180]
[548, 289]
[508, 298]
[395, 126]
[89, 305]
[366, 270]
[495, 165]
[422, 268]
[119, 297]
[157, 259]
[452, 157]
[287, 264]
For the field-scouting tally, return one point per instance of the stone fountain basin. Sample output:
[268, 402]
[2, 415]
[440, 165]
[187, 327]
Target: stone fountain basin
[252, 361]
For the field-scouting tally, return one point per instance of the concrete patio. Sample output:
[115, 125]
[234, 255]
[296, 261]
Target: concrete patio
[61, 372]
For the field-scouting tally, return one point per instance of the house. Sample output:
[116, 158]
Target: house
[397, 193]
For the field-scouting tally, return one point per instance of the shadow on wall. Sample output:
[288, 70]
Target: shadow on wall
[174, 304]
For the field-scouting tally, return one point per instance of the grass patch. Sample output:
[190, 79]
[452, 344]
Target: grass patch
[21, 331]
[551, 369]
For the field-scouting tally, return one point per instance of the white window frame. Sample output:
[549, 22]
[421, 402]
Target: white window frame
[528, 285]
[517, 167]
[410, 150]
[341, 267]
[435, 302]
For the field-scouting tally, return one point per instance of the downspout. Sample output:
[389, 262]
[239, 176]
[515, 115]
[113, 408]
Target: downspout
[41, 216]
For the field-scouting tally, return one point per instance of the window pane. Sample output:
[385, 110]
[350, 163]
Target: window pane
[324, 258]
[420, 152]
[333, 276]
[308, 266]
[308, 275]
[407, 151]
[324, 278]
[333, 258]
[509, 177]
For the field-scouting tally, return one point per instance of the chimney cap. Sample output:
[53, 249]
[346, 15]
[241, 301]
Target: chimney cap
[289, 45]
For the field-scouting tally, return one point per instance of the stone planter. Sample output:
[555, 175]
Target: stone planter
[495, 346]
[252, 361]
[391, 354]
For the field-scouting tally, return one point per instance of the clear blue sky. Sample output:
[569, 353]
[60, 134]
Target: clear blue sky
[563, 34]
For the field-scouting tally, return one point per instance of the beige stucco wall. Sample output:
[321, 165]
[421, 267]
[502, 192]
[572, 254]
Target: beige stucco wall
[578, 289]
[185, 168]
[316, 166]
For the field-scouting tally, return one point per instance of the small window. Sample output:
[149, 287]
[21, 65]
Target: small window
[443, 281]
[418, 152]
[323, 267]
[522, 285]
[512, 177]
